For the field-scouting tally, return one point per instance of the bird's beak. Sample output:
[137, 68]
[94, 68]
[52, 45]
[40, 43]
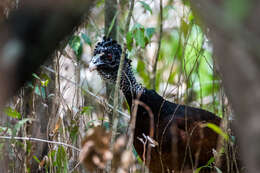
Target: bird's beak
[95, 62]
[92, 66]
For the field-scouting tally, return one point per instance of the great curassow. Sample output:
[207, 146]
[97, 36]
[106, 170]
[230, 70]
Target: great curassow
[182, 142]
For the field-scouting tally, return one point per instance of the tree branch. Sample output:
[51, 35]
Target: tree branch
[159, 47]
[40, 140]
[122, 60]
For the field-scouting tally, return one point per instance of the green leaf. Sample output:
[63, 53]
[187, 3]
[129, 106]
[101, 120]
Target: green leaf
[40, 91]
[73, 131]
[44, 79]
[139, 37]
[149, 32]
[186, 2]
[191, 17]
[129, 40]
[146, 6]
[43, 93]
[62, 160]
[142, 72]
[37, 91]
[217, 129]
[36, 159]
[111, 25]
[100, 2]
[76, 45]
[36, 76]
[137, 26]
[12, 113]
[51, 155]
[86, 110]
[86, 39]
[211, 160]
[106, 125]
[217, 169]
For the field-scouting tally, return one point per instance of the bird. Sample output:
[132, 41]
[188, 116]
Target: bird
[178, 141]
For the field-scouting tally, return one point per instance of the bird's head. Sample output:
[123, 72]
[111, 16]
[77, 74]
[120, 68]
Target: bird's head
[106, 58]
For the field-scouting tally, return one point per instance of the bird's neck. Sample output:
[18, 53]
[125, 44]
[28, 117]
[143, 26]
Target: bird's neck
[129, 86]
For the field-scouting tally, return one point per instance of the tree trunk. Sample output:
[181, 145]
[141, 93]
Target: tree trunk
[236, 37]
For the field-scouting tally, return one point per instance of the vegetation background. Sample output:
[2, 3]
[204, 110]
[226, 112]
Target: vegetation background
[170, 52]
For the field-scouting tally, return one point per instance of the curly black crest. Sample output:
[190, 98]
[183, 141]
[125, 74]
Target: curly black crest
[107, 45]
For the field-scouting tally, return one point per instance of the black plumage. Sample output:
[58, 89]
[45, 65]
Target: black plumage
[183, 142]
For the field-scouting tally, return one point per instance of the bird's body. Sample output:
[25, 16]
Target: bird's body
[178, 131]
[181, 141]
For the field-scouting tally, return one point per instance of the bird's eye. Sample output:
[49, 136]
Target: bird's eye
[109, 56]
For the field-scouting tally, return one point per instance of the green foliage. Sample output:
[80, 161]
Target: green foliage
[185, 27]
[77, 46]
[44, 79]
[73, 131]
[217, 169]
[208, 165]
[12, 113]
[111, 25]
[149, 33]
[29, 147]
[36, 159]
[106, 124]
[141, 35]
[40, 91]
[171, 47]
[129, 40]
[60, 160]
[171, 50]
[100, 2]
[86, 110]
[143, 74]
[218, 130]
[86, 39]
[146, 6]
[19, 124]
[36, 76]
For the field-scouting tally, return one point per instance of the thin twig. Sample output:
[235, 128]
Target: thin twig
[99, 100]
[118, 80]
[151, 131]
[159, 46]
[77, 165]
[131, 128]
[122, 60]
[40, 140]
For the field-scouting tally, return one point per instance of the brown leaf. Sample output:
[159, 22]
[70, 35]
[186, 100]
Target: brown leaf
[95, 149]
